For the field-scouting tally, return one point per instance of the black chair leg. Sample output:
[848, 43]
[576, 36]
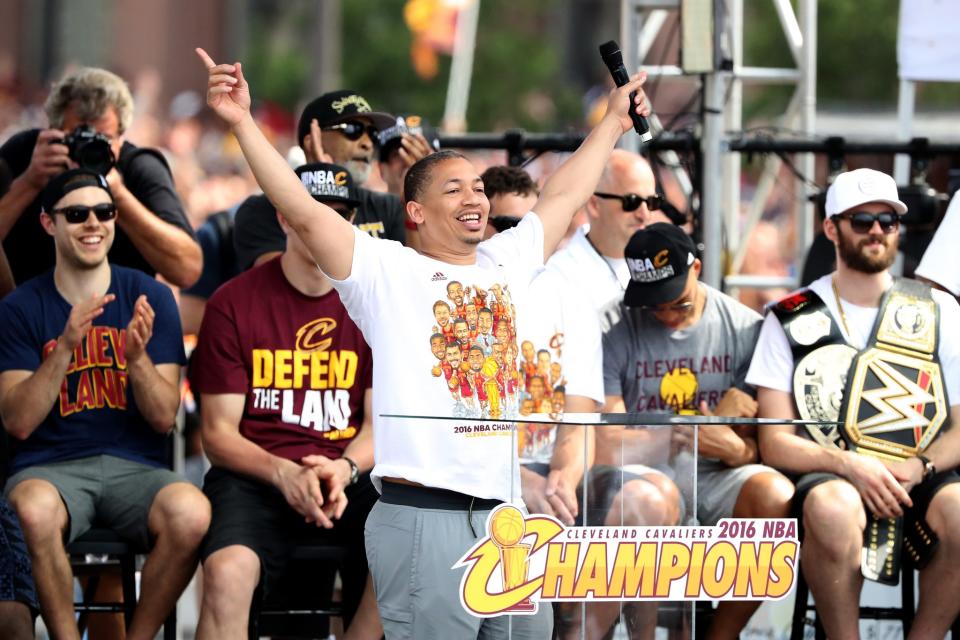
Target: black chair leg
[170, 625]
[128, 577]
[799, 620]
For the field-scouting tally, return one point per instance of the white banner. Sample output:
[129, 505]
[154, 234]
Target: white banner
[928, 41]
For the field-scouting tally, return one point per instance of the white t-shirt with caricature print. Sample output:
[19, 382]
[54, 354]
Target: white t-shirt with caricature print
[422, 319]
[560, 355]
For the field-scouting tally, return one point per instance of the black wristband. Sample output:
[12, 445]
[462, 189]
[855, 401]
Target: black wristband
[929, 469]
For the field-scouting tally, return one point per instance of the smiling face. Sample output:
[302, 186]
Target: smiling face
[502, 332]
[441, 311]
[455, 292]
[454, 356]
[83, 245]
[461, 330]
[471, 315]
[438, 346]
[475, 358]
[453, 208]
[485, 321]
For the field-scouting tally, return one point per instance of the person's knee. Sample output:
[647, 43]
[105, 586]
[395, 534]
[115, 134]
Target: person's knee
[39, 508]
[766, 495]
[943, 515]
[834, 514]
[643, 503]
[230, 576]
[16, 622]
[182, 512]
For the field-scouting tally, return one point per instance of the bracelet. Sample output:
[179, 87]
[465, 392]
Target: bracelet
[354, 470]
[929, 469]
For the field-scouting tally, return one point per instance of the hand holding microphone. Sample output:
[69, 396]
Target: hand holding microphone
[610, 52]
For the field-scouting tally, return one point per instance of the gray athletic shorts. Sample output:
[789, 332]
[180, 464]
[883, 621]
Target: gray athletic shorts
[718, 490]
[410, 550]
[109, 491]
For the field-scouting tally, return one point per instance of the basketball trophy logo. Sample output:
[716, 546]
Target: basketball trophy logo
[507, 528]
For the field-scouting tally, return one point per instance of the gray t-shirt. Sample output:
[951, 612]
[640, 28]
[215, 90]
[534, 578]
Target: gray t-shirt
[659, 370]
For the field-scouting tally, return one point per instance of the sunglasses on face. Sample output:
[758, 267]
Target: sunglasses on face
[682, 308]
[631, 201]
[862, 222]
[79, 214]
[354, 130]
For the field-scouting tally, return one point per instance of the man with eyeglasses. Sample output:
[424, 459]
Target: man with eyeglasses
[152, 230]
[625, 201]
[89, 391]
[338, 127]
[881, 356]
[682, 347]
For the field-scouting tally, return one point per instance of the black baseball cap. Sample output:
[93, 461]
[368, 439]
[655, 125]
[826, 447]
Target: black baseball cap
[71, 180]
[339, 106]
[389, 139]
[659, 258]
[328, 183]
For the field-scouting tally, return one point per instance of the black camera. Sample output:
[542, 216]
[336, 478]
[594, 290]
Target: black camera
[90, 149]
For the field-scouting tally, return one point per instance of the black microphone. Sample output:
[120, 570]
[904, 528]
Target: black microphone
[610, 52]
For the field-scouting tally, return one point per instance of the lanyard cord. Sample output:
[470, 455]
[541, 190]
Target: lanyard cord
[616, 278]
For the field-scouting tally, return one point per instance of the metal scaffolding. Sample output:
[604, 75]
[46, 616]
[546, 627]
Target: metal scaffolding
[722, 83]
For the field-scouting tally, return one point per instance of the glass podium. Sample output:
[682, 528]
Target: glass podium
[602, 509]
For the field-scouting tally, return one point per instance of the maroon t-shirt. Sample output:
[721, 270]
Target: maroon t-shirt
[301, 362]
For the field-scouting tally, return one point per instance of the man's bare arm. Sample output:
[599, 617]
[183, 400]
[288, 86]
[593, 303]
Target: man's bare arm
[782, 448]
[26, 397]
[227, 449]
[326, 234]
[574, 182]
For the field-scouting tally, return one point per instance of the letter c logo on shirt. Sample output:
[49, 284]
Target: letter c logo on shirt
[311, 336]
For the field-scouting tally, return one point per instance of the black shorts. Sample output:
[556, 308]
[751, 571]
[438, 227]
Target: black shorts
[922, 494]
[16, 578]
[255, 515]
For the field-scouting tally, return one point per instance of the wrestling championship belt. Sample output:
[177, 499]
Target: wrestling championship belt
[821, 359]
[894, 405]
[822, 365]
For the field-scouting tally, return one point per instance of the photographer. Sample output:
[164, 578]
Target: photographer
[89, 112]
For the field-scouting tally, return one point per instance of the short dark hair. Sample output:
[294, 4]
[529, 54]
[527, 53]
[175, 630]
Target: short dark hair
[502, 179]
[419, 175]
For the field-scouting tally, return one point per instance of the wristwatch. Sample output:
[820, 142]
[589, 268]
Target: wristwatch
[354, 470]
[929, 469]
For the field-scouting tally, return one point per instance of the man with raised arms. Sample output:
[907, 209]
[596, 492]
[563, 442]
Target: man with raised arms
[438, 480]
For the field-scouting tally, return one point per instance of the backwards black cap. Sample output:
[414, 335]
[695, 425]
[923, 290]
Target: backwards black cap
[659, 257]
[71, 180]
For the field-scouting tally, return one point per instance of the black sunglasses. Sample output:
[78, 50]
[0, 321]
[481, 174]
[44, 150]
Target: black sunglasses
[862, 221]
[355, 130]
[78, 214]
[631, 201]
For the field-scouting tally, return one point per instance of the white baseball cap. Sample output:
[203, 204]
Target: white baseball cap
[860, 186]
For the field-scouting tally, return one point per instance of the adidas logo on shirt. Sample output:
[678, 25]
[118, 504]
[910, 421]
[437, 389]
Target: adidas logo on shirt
[437, 277]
